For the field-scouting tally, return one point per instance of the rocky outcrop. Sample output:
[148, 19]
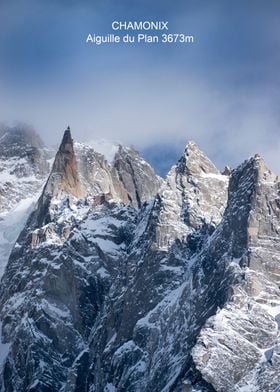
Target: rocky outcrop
[136, 175]
[98, 176]
[64, 177]
[187, 200]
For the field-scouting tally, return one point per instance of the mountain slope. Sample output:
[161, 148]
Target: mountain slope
[54, 292]
[121, 281]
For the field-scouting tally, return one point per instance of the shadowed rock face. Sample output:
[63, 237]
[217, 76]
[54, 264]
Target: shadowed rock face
[122, 281]
[64, 177]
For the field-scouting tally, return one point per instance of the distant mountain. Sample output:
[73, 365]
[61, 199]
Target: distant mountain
[123, 281]
[24, 166]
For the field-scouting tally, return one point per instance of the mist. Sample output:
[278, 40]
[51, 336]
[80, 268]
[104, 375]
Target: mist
[220, 92]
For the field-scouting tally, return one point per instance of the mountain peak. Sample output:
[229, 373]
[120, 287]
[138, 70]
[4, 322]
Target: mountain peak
[255, 169]
[195, 162]
[67, 141]
[64, 177]
[136, 175]
[191, 145]
[18, 139]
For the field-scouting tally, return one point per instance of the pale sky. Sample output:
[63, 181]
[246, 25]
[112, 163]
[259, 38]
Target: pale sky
[222, 91]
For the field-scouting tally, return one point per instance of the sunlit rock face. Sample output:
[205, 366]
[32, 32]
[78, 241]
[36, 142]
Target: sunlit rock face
[123, 281]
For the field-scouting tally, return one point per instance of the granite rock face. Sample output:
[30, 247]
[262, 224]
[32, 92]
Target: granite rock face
[136, 175]
[122, 281]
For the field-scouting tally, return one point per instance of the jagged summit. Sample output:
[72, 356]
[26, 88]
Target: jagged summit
[136, 175]
[82, 176]
[122, 281]
[64, 177]
[187, 197]
[194, 161]
[67, 141]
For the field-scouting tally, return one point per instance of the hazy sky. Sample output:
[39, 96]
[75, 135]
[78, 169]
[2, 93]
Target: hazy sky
[222, 91]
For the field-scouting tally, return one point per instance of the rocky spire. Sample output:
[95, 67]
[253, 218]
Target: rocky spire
[64, 177]
[195, 162]
[137, 176]
[63, 181]
[194, 194]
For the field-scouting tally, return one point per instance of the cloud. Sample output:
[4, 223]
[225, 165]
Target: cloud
[220, 92]
[159, 107]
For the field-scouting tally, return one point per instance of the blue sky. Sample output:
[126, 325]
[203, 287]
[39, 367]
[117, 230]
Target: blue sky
[222, 91]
